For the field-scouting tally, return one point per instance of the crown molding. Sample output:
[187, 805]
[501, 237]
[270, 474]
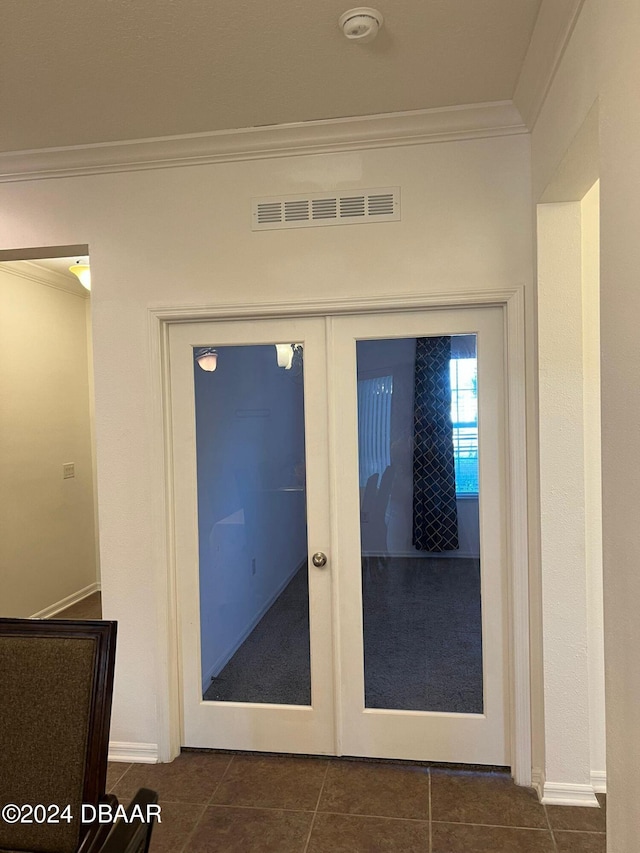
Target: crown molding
[40, 275]
[553, 29]
[475, 121]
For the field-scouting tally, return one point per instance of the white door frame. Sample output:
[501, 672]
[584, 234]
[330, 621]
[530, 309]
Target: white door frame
[512, 302]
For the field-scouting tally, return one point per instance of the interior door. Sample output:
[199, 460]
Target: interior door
[251, 503]
[376, 441]
[418, 437]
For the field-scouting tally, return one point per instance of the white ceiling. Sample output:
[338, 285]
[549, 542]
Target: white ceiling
[74, 72]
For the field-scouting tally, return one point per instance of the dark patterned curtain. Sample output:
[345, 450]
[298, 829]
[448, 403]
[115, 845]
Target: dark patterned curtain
[435, 511]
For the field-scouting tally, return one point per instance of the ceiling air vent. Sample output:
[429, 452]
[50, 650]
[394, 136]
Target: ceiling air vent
[269, 213]
[305, 211]
[352, 205]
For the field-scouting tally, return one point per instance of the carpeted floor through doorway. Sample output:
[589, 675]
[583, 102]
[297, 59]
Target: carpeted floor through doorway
[422, 640]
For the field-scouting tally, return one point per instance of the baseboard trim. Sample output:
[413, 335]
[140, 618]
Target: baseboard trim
[537, 782]
[53, 609]
[133, 753]
[599, 781]
[568, 794]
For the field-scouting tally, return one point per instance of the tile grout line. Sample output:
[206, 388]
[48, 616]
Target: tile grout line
[366, 815]
[120, 778]
[386, 817]
[183, 849]
[553, 837]
[313, 819]
[495, 825]
[260, 808]
[580, 831]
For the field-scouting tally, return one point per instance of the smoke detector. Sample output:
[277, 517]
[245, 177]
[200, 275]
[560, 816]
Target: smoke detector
[361, 24]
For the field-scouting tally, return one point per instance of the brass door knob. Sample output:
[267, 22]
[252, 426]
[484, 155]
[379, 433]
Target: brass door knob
[319, 560]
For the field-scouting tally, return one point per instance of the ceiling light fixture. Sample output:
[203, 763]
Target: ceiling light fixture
[360, 24]
[207, 358]
[82, 270]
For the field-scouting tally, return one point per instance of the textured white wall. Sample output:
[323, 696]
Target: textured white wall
[182, 237]
[602, 62]
[562, 490]
[47, 547]
[570, 489]
[572, 93]
[590, 212]
[620, 308]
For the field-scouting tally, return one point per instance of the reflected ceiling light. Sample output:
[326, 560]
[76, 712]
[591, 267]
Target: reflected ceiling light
[207, 358]
[82, 270]
[361, 24]
[286, 353]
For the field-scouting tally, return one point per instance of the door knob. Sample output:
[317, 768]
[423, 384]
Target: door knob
[319, 560]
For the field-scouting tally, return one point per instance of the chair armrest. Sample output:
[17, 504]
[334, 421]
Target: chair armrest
[133, 836]
[96, 833]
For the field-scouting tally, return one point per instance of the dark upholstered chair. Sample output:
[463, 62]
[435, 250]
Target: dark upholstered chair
[56, 684]
[131, 837]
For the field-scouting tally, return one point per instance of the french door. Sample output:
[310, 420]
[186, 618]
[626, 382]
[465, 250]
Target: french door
[340, 540]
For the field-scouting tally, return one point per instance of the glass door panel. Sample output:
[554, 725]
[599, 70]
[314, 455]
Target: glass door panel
[251, 503]
[254, 590]
[419, 523]
[387, 454]
[420, 447]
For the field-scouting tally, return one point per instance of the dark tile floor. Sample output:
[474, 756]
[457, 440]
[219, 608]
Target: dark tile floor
[247, 803]
[275, 804]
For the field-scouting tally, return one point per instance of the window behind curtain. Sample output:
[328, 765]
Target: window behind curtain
[374, 424]
[464, 418]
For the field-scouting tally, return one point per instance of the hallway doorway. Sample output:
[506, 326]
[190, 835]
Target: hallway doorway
[48, 508]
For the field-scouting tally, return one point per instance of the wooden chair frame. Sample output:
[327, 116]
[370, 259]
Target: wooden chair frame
[103, 633]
